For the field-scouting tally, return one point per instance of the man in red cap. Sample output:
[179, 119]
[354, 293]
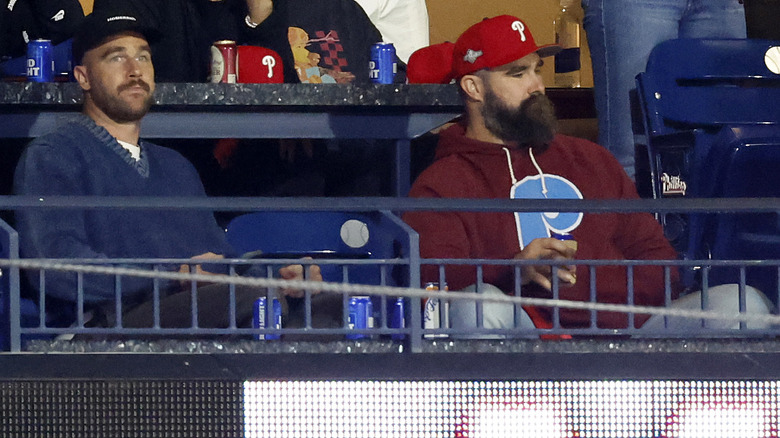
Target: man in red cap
[507, 146]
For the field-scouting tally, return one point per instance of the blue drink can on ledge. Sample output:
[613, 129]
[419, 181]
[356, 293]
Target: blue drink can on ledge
[361, 316]
[382, 66]
[40, 61]
[397, 317]
[260, 317]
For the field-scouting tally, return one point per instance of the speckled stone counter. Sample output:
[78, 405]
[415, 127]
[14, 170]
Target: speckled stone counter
[746, 358]
[570, 103]
[190, 95]
[611, 346]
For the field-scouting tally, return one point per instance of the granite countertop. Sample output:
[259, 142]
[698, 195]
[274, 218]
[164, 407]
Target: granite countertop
[570, 103]
[434, 97]
[598, 346]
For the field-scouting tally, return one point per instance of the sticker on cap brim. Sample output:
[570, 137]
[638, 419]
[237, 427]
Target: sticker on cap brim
[472, 55]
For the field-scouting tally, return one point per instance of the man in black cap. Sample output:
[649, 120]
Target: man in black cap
[100, 153]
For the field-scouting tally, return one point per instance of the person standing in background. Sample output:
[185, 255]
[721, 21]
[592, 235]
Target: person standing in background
[401, 22]
[761, 19]
[621, 35]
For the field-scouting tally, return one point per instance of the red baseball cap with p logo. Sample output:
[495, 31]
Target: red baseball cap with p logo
[258, 65]
[494, 42]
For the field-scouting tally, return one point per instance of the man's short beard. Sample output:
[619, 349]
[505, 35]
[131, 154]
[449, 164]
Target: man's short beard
[533, 124]
[117, 109]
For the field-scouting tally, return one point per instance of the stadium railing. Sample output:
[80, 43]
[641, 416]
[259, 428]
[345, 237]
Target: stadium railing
[413, 332]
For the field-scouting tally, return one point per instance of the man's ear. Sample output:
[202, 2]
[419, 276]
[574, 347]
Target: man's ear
[473, 87]
[80, 73]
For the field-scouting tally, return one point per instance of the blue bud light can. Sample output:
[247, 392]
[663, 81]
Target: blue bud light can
[361, 316]
[566, 238]
[260, 317]
[382, 67]
[397, 317]
[40, 61]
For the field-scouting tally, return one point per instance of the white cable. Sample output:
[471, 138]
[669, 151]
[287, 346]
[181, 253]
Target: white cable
[361, 289]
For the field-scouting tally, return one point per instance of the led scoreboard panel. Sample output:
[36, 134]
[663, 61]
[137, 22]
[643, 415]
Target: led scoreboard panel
[728, 394]
[518, 409]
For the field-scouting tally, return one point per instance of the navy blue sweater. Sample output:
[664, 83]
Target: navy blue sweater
[83, 159]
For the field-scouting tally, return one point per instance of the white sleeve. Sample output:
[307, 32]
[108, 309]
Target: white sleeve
[401, 22]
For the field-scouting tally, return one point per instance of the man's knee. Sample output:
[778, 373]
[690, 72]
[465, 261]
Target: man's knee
[495, 315]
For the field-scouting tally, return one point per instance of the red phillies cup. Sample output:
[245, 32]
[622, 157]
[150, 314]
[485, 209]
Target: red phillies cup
[258, 65]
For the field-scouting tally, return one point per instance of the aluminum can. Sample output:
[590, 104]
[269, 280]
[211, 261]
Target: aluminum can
[397, 317]
[40, 61]
[361, 316]
[224, 62]
[261, 319]
[435, 315]
[566, 238]
[382, 66]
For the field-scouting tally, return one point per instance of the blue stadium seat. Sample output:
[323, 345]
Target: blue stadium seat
[708, 115]
[330, 235]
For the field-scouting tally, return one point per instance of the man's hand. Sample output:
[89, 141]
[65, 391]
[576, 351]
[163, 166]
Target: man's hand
[547, 249]
[185, 269]
[295, 272]
[259, 10]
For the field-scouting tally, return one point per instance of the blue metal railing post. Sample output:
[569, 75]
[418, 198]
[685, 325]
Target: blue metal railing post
[12, 301]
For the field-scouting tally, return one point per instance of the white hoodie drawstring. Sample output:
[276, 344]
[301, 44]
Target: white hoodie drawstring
[509, 162]
[536, 165]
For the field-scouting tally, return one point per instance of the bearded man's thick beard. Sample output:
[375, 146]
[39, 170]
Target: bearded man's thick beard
[533, 124]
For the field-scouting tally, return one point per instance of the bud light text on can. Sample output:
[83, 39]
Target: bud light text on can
[361, 316]
[435, 315]
[261, 315]
[397, 317]
[224, 62]
[40, 61]
[382, 66]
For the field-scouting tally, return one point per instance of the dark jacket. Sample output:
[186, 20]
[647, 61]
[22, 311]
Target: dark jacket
[26, 20]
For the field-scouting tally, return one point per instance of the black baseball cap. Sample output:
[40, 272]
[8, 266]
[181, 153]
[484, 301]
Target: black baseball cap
[101, 25]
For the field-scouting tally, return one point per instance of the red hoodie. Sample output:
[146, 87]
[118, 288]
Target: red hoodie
[572, 168]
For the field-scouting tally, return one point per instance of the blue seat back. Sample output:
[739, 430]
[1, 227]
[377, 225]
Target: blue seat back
[328, 235]
[691, 83]
[743, 162]
[692, 88]
[711, 124]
